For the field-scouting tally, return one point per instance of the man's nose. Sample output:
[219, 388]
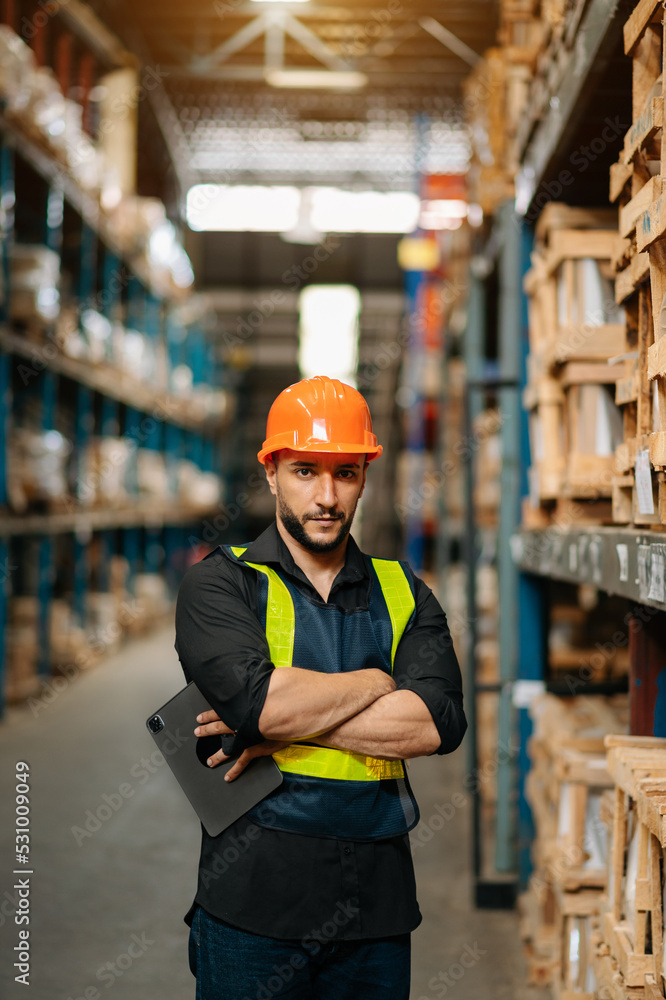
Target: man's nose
[326, 494]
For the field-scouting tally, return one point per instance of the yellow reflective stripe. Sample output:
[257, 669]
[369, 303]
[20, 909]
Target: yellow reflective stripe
[341, 765]
[398, 596]
[280, 617]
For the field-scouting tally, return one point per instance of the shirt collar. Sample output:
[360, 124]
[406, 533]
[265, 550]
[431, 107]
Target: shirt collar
[269, 547]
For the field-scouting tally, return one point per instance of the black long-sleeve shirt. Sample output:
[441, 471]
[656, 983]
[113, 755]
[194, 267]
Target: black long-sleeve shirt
[271, 882]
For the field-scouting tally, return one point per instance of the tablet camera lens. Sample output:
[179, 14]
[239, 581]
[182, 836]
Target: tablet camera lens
[155, 724]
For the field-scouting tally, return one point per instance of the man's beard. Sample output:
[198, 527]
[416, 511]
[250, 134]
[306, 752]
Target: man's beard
[297, 529]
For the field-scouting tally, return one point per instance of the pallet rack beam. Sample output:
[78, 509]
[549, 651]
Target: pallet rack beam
[105, 381]
[141, 515]
[627, 562]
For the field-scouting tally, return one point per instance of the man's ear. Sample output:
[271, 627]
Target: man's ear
[365, 472]
[270, 468]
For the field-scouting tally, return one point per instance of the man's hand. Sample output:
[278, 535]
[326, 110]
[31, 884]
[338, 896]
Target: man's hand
[212, 725]
[258, 750]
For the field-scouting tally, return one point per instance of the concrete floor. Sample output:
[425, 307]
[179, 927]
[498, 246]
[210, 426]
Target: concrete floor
[127, 884]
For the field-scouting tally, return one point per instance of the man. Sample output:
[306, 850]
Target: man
[311, 895]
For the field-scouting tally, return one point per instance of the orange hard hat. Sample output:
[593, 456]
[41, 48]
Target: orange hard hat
[320, 414]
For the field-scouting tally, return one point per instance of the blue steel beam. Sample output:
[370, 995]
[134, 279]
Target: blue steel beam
[532, 636]
[513, 262]
[415, 418]
[84, 429]
[132, 536]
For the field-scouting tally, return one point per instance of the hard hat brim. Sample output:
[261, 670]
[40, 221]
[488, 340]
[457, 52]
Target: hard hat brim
[322, 447]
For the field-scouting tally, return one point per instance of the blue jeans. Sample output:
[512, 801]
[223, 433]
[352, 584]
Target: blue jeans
[231, 964]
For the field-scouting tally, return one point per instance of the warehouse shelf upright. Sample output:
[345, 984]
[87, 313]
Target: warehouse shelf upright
[495, 373]
[64, 548]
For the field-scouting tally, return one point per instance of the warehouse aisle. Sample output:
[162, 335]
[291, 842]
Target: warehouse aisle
[114, 853]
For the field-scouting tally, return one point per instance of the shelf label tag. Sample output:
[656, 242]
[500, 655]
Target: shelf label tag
[623, 559]
[523, 692]
[644, 482]
[643, 571]
[517, 548]
[573, 557]
[656, 591]
[595, 559]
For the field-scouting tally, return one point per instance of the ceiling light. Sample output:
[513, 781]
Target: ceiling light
[238, 208]
[310, 78]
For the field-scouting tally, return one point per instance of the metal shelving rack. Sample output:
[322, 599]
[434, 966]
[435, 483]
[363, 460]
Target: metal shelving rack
[153, 537]
[628, 563]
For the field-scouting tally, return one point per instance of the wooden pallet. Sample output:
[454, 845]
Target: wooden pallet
[633, 925]
[574, 329]
[610, 983]
[574, 923]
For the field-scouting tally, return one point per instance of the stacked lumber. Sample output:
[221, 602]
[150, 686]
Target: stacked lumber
[488, 466]
[496, 94]
[556, 57]
[565, 789]
[636, 182]
[629, 948]
[575, 328]
[489, 178]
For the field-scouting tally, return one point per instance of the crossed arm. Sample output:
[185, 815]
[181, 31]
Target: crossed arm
[223, 648]
[361, 711]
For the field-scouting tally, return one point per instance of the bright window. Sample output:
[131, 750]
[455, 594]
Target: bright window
[328, 331]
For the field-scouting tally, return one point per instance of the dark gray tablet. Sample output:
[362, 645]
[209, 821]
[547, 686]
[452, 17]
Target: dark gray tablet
[218, 803]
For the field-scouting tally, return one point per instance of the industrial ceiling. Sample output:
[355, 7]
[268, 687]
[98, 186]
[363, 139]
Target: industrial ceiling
[380, 98]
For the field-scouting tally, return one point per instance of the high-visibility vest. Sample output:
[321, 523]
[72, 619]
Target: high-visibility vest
[328, 791]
